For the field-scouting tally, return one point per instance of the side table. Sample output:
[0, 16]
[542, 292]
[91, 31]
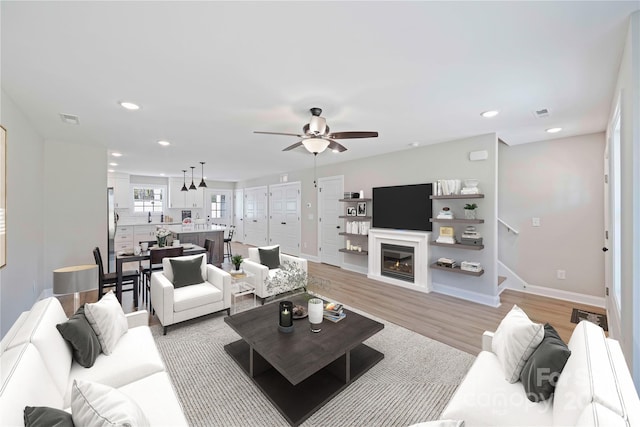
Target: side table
[241, 287]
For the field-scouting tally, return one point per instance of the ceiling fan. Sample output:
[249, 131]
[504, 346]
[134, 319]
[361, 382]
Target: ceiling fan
[316, 136]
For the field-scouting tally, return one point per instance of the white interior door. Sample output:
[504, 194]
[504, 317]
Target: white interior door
[284, 217]
[238, 216]
[217, 206]
[330, 191]
[255, 216]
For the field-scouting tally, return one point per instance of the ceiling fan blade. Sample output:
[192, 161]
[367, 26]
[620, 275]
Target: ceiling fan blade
[279, 133]
[334, 145]
[353, 134]
[292, 146]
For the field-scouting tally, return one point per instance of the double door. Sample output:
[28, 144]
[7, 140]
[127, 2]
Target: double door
[284, 217]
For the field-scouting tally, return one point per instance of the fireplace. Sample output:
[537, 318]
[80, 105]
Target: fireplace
[397, 262]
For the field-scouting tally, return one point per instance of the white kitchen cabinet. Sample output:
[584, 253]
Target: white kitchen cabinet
[179, 199]
[144, 233]
[124, 238]
[122, 195]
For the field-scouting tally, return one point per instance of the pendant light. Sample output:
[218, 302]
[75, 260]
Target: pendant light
[184, 182]
[202, 183]
[192, 186]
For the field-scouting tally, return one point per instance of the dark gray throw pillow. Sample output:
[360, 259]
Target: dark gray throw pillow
[186, 272]
[540, 373]
[42, 416]
[270, 257]
[83, 339]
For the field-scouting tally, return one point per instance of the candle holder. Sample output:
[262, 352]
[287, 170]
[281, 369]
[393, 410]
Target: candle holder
[285, 317]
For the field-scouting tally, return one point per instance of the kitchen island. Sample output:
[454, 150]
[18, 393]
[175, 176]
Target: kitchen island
[198, 234]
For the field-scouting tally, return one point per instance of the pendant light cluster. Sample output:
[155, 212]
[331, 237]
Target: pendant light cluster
[193, 185]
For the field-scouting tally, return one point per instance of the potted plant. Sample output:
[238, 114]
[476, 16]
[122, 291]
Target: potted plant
[236, 260]
[470, 210]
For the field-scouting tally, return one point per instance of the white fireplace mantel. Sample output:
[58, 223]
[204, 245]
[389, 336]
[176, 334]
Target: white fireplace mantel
[418, 240]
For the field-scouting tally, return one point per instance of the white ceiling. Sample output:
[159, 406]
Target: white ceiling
[207, 74]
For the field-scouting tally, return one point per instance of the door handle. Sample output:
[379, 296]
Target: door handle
[255, 220]
[283, 223]
[605, 249]
[337, 226]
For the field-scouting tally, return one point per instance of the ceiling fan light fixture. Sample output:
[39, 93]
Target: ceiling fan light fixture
[317, 125]
[315, 145]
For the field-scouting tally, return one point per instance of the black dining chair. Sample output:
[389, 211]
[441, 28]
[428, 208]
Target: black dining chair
[156, 255]
[109, 280]
[143, 265]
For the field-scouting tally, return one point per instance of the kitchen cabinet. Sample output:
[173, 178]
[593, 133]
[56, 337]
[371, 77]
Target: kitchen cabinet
[179, 199]
[122, 195]
[144, 233]
[123, 240]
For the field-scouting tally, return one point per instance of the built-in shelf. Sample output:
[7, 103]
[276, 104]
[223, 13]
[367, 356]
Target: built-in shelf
[351, 234]
[356, 218]
[354, 200]
[459, 246]
[457, 270]
[347, 251]
[457, 220]
[459, 196]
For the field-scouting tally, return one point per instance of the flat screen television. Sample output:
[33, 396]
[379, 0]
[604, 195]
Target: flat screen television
[403, 207]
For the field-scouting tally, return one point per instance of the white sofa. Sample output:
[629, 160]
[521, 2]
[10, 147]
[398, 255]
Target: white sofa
[37, 368]
[594, 388]
[175, 305]
[263, 273]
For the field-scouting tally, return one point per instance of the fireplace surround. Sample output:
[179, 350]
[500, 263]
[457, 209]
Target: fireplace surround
[410, 241]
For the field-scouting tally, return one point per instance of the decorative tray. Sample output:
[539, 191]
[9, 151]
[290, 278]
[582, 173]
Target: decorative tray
[299, 312]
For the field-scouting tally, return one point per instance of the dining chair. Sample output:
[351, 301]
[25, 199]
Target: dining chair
[227, 243]
[156, 255]
[143, 265]
[209, 245]
[109, 280]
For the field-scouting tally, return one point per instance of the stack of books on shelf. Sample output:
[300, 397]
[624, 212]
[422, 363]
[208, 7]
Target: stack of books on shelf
[333, 312]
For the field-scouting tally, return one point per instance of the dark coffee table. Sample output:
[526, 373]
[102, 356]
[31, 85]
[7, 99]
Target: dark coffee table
[301, 371]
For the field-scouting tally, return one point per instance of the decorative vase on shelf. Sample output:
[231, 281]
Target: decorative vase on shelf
[470, 214]
[162, 241]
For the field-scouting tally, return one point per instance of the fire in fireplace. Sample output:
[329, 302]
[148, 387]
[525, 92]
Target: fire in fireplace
[397, 262]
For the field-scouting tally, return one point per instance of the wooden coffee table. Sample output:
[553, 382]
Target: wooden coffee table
[301, 371]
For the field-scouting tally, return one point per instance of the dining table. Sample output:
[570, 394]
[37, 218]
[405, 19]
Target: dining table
[126, 256]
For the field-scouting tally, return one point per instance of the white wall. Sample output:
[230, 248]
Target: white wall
[75, 205]
[560, 182]
[21, 280]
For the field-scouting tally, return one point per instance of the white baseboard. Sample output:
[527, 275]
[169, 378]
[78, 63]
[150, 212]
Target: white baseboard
[355, 268]
[312, 258]
[513, 281]
[564, 295]
[492, 301]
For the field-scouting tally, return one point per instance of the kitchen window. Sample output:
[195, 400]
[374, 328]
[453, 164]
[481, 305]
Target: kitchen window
[148, 199]
[218, 206]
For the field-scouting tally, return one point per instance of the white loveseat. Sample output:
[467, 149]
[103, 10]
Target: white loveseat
[263, 273]
[173, 305]
[594, 389]
[38, 370]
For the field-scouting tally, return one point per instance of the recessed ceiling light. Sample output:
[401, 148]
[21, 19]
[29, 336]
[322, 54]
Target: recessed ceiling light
[489, 114]
[162, 174]
[164, 143]
[111, 170]
[414, 144]
[129, 105]
[113, 164]
[70, 119]
[554, 130]
[114, 154]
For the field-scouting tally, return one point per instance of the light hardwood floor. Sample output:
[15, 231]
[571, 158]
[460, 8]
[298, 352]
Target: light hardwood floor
[453, 321]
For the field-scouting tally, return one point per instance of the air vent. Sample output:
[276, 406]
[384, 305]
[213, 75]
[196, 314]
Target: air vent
[70, 119]
[541, 113]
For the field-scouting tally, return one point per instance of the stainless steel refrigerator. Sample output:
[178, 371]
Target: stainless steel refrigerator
[112, 225]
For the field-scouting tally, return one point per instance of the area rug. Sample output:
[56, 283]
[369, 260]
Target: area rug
[577, 315]
[413, 383]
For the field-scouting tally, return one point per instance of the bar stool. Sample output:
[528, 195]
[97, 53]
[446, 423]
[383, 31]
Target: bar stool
[227, 243]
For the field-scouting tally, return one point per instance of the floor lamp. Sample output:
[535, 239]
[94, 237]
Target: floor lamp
[76, 279]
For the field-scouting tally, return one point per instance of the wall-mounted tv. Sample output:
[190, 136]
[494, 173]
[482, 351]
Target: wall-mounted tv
[403, 207]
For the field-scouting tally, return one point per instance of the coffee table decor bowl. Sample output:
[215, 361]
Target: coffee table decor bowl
[299, 372]
[299, 312]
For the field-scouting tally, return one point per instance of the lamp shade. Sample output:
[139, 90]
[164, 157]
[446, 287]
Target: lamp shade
[79, 278]
[315, 145]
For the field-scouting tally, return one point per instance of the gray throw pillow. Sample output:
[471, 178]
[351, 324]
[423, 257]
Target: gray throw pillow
[42, 416]
[541, 371]
[186, 272]
[270, 257]
[83, 339]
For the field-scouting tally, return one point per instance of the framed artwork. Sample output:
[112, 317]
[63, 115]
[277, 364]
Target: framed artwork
[362, 208]
[351, 211]
[3, 197]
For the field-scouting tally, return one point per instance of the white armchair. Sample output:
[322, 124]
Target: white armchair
[173, 305]
[262, 272]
